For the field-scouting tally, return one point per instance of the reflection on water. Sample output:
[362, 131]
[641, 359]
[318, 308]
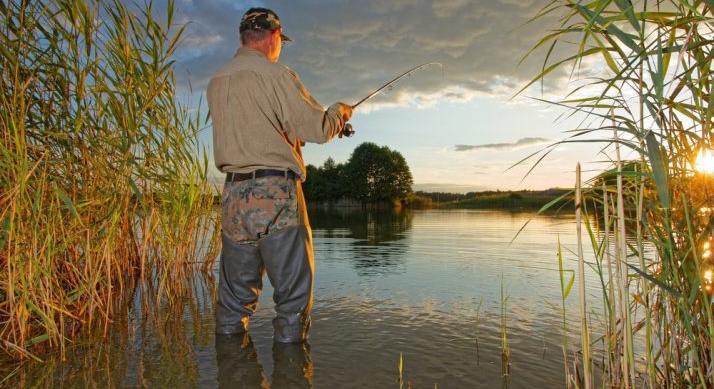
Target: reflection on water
[238, 364]
[366, 234]
[367, 228]
[239, 367]
[425, 284]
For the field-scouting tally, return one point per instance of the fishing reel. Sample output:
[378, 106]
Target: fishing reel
[347, 131]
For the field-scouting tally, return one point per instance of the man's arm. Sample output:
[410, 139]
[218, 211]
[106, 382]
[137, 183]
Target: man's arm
[303, 116]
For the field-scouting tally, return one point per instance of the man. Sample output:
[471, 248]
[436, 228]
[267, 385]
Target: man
[262, 114]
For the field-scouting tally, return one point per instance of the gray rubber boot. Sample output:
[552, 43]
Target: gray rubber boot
[239, 285]
[288, 258]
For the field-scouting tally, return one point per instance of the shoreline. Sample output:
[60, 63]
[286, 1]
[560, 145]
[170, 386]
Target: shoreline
[557, 199]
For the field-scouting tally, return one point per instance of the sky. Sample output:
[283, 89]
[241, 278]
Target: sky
[460, 129]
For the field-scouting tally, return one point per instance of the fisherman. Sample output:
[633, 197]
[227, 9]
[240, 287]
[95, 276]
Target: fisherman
[262, 115]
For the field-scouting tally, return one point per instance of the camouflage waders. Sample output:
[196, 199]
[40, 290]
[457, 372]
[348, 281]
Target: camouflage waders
[265, 229]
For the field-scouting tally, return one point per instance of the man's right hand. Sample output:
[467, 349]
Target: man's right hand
[345, 111]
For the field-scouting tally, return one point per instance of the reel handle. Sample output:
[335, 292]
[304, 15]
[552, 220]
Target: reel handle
[347, 131]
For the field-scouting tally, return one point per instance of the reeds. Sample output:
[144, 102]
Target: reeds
[653, 100]
[565, 288]
[505, 348]
[400, 371]
[136, 348]
[584, 330]
[102, 181]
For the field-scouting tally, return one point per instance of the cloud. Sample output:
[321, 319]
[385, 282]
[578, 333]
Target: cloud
[519, 144]
[343, 49]
[193, 40]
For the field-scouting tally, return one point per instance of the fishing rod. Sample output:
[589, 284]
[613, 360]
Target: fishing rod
[348, 131]
[397, 78]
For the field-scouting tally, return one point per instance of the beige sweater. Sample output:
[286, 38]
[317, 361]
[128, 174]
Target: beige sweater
[261, 114]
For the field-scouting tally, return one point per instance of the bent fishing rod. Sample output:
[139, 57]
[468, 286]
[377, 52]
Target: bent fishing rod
[348, 131]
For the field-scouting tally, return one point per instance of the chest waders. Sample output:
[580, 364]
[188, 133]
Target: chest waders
[284, 253]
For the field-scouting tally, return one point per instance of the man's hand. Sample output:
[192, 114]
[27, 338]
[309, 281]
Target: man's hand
[345, 111]
[345, 114]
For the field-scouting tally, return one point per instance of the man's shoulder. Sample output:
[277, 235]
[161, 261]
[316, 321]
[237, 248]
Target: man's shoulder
[252, 65]
[285, 70]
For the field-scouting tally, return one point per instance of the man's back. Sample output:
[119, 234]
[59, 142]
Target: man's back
[261, 113]
[247, 130]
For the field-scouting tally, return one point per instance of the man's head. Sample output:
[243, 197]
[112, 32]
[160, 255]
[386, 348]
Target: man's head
[260, 29]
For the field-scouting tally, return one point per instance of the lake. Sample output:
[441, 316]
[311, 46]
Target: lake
[426, 285]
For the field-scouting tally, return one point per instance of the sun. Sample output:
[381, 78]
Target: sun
[705, 161]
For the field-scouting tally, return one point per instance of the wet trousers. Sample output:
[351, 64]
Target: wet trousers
[265, 229]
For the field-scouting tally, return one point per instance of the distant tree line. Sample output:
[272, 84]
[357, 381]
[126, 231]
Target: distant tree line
[372, 174]
[441, 197]
[445, 197]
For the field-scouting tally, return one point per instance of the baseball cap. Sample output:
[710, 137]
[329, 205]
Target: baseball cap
[261, 19]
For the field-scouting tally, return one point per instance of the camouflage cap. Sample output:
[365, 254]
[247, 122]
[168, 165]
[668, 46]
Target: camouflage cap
[261, 19]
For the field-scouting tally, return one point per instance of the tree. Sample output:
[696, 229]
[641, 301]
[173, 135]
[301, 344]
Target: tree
[333, 180]
[325, 183]
[372, 174]
[375, 173]
[312, 185]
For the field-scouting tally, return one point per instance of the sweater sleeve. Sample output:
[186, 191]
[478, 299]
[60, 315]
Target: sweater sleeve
[302, 115]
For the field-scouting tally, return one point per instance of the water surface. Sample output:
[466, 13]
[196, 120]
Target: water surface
[423, 284]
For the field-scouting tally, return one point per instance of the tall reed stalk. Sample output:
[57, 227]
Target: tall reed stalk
[505, 348]
[641, 75]
[102, 181]
[584, 331]
[565, 288]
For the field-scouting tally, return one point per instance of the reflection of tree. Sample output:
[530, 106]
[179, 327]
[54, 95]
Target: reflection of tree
[374, 236]
[368, 227]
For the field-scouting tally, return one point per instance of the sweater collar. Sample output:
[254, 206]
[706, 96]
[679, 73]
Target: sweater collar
[245, 51]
